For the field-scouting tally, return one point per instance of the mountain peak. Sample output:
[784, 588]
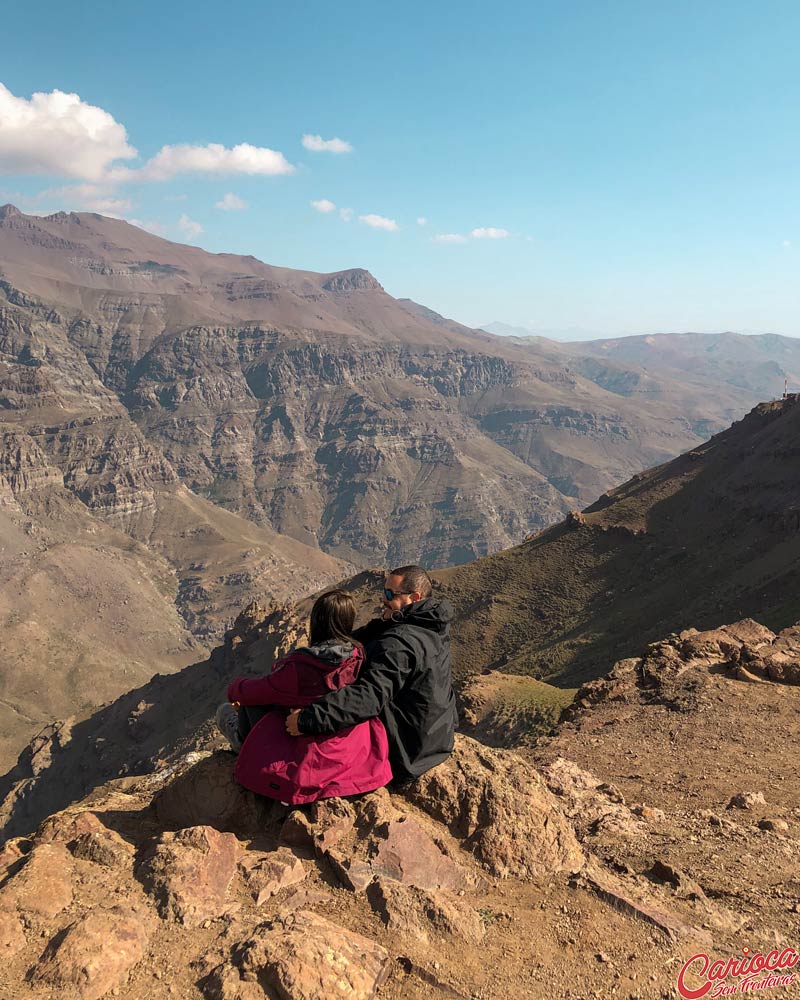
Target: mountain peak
[8, 212]
[354, 279]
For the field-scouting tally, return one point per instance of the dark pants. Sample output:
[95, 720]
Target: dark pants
[249, 715]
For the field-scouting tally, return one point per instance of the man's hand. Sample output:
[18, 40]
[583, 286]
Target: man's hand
[291, 722]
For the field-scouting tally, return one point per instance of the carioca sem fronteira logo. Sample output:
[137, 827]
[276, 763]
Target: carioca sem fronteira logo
[751, 973]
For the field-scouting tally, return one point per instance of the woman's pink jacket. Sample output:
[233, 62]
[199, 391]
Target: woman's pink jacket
[299, 769]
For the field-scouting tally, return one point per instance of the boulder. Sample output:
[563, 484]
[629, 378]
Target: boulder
[353, 873]
[104, 848]
[303, 956]
[501, 810]
[12, 937]
[297, 831]
[267, 874]
[403, 850]
[43, 886]
[332, 820]
[595, 807]
[782, 661]
[682, 885]
[746, 800]
[205, 793]
[189, 873]
[95, 953]
[424, 914]
[374, 809]
[64, 827]
[225, 983]
[773, 824]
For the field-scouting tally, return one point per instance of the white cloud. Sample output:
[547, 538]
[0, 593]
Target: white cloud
[450, 238]
[214, 158]
[189, 227]
[61, 135]
[231, 203]
[346, 214]
[379, 222]
[319, 145]
[489, 234]
[422, 221]
[787, 243]
[58, 134]
[323, 205]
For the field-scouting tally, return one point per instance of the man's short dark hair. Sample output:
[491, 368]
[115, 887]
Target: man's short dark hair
[415, 580]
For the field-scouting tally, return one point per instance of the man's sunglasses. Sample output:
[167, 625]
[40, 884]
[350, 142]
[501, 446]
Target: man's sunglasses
[391, 594]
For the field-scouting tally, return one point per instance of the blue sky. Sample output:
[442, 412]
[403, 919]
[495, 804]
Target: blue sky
[626, 166]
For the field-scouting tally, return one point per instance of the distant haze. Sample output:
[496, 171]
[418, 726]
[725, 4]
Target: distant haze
[576, 333]
[566, 334]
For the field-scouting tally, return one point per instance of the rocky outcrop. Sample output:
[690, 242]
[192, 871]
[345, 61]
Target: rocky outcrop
[336, 898]
[303, 956]
[189, 873]
[596, 808]
[42, 887]
[500, 810]
[95, 953]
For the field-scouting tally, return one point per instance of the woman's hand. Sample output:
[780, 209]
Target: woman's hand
[291, 722]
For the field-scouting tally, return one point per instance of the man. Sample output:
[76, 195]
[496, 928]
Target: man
[406, 680]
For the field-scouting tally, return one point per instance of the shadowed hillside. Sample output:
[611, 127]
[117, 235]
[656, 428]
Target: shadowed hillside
[710, 537]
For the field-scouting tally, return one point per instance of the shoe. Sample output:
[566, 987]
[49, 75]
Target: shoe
[227, 720]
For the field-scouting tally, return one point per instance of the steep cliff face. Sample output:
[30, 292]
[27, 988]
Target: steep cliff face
[110, 568]
[364, 452]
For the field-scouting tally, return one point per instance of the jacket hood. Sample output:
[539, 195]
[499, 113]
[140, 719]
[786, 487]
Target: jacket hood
[332, 653]
[433, 613]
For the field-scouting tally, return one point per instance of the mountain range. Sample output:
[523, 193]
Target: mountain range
[184, 431]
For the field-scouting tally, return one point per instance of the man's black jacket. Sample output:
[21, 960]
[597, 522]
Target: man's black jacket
[406, 681]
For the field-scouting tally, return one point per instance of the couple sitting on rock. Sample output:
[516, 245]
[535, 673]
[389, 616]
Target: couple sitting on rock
[354, 709]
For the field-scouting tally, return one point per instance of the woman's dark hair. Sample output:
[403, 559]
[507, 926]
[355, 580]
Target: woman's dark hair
[332, 618]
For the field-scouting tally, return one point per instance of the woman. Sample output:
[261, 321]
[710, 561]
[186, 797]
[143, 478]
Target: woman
[302, 769]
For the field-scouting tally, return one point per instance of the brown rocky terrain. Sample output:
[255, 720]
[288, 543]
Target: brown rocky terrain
[594, 864]
[183, 432]
[658, 820]
[707, 538]
[318, 405]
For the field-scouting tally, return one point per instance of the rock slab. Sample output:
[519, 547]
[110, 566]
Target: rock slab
[302, 956]
[501, 810]
[189, 873]
[94, 954]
